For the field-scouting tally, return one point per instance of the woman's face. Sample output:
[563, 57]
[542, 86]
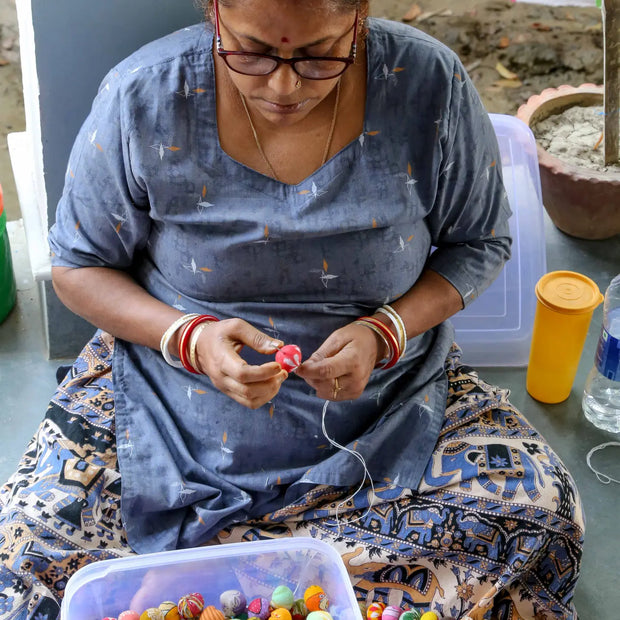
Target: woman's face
[286, 29]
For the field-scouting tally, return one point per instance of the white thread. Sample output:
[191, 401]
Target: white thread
[604, 478]
[360, 458]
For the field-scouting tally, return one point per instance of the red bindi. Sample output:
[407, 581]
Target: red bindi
[284, 40]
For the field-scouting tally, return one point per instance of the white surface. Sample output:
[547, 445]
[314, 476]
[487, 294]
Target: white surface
[30, 81]
[34, 212]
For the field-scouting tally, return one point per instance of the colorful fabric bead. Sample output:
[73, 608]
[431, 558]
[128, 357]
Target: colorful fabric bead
[320, 615]
[212, 613]
[282, 597]
[259, 607]
[411, 614]
[129, 614]
[191, 605]
[374, 611]
[289, 357]
[299, 610]
[391, 612]
[429, 615]
[280, 613]
[152, 613]
[170, 610]
[232, 603]
[315, 598]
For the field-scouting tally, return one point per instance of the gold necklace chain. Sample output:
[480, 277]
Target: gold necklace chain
[327, 145]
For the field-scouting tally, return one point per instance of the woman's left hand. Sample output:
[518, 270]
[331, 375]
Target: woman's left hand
[340, 368]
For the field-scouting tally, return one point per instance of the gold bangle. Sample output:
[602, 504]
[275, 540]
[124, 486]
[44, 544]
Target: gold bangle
[193, 343]
[399, 325]
[378, 332]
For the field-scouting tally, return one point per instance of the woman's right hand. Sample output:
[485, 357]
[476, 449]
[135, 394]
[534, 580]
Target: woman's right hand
[217, 356]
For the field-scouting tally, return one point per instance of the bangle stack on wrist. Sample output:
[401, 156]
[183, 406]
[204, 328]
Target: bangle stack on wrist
[399, 325]
[187, 340]
[395, 344]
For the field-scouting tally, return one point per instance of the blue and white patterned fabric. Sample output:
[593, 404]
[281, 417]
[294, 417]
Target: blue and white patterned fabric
[150, 190]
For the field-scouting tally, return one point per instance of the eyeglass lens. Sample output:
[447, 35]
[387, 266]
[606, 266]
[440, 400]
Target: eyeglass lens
[261, 65]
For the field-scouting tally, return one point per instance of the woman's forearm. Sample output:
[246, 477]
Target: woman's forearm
[113, 301]
[431, 300]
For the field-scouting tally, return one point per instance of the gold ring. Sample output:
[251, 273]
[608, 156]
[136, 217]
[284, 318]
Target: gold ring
[337, 389]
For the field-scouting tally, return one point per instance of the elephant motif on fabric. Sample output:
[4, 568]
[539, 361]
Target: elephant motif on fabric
[417, 582]
[498, 468]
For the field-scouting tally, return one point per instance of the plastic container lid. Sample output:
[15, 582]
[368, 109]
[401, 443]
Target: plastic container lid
[568, 292]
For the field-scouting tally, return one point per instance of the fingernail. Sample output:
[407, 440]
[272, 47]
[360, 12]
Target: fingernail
[276, 344]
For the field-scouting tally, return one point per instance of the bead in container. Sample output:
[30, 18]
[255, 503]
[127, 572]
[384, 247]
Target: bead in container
[391, 612]
[374, 611]
[152, 613]
[299, 610]
[233, 603]
[259, 607]
[320, 615]
[410, 614]
[429, 615]
[289, 357]
[129, 614]
[170, 610]
[282, 596]
[315, 598]
[212, 613]
[280, 614]
[191, 605]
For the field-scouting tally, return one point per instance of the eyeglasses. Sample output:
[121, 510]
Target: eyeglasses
[307, 67]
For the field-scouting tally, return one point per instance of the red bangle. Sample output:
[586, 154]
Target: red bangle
[389, 336]
[185, 336]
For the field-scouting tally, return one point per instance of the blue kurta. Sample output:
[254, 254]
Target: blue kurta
[150, 190]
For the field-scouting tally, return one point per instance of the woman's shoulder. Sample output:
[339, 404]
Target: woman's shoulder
[396, 39]
[174, 52]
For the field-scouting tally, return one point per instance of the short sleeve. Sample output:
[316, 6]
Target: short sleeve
[469, 220]
[102, 218]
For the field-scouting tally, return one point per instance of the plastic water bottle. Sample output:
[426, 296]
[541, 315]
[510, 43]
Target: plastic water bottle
[601, 397]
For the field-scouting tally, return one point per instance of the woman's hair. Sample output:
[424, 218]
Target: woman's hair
[206, 6]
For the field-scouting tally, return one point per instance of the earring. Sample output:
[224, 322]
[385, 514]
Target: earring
[298, 83]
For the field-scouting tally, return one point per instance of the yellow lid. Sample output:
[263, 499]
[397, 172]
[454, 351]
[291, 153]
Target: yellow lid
[568, 292]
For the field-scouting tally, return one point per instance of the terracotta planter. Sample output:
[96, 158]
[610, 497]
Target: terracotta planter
[580, 201]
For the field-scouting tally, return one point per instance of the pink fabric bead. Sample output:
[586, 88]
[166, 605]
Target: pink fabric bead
[289, 357]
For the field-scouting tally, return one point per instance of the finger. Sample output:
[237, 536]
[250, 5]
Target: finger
[247, 374]
[328, 362]
[254, 395]
[248, 335]
[340, 388]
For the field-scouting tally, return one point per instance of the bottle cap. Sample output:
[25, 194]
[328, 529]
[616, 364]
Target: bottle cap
[568, 292]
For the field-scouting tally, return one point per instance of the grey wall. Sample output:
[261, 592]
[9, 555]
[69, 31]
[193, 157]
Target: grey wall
[77, 42]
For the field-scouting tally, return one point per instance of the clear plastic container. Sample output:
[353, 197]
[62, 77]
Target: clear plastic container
[496, 329]
[107, 588]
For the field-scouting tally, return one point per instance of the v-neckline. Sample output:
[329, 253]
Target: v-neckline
[310, 179]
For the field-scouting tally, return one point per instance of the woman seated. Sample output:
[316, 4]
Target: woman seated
[290, 173]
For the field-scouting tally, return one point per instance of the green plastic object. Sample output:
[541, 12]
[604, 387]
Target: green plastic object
[8, 290]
